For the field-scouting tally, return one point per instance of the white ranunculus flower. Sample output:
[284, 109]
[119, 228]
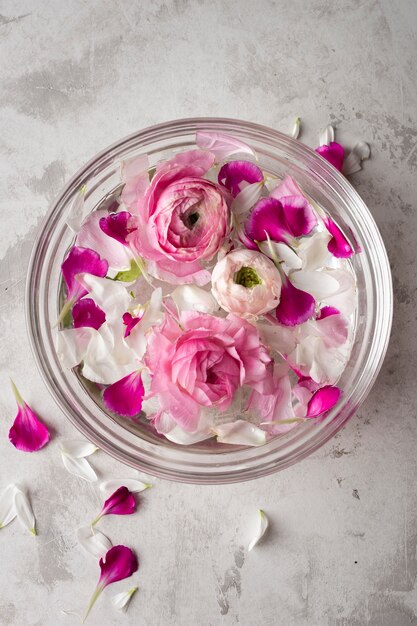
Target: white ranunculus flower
[246, 283]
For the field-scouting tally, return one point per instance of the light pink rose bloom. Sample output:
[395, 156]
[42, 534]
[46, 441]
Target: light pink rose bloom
[182, 219]
[246, 283]
[203, 363]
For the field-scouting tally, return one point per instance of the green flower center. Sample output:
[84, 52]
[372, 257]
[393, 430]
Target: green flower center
[247, 277]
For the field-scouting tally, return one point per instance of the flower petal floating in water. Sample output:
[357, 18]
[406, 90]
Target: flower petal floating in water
[120, 562]
[193, 298]
[118, 226]
[263, 524]
[28, 433]
[93, 541]
[135, 176]
[7, 506]
[338, 244]
[81, 261]
[86, 313]
[221, 145]
[76, 212]
[240, 433]
[333, 153]
[124, 397]
[122, 600]
[246, 198]
[353, 163]
[133, 484]
[91, 236]
[296, 306]
[323, 400]
[130, 322]
[24, 511]
[121, 502]
[280, 220]
[234, 175]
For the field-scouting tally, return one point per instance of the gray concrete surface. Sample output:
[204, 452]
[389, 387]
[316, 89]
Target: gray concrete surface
[77, 75]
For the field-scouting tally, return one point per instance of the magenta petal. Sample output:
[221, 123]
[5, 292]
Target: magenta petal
[296, 306]
[299, 215]
[125, 396]
[267, 220]
[338, 244]
[121, 502]
[28, 433]
[86, 313]
[120, 562]
[236, 172]
[130, 322]
[81, 261]
[118, 226]
[334, 153]
[323, 400]
[327, 311]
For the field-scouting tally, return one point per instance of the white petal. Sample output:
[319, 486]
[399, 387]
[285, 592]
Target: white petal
[77, 448]
[295, 132]
[344, 298]
[72, 345]
[76, 213]
[93, 541]
[246, 198]
[326, 136]
[137, 338]
[79, 467]
[121, 600]
[91, 236]
[184, 438]
[240, 433]
[108, 357]
[279, 338]
[193, 298]
[221, 145]
[319, 284]
[109, 295]
[353, 162]
[133, 484]
[280, 252]
[7, 507]
[263, 524]
[24, 510]
[313, 251]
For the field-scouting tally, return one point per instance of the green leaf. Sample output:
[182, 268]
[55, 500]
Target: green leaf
[128, 276]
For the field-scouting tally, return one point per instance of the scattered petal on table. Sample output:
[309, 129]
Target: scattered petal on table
[78, 449]
[133, 484]
[263, 523]
[122, 600]
[28, 433]
[93, 541]
[24, 510]
[79, 467]
[295, 131]
[121, 502]
[7, 506]
[326, 136]
[353, 163]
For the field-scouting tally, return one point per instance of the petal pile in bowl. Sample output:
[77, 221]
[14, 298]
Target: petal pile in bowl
[210, 298]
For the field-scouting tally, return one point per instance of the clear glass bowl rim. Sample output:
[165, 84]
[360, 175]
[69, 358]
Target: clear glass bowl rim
[229, 466]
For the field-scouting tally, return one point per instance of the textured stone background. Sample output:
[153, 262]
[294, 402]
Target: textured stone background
[77, 75]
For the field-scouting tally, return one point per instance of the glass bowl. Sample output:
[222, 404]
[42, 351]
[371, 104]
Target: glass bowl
[138, 445]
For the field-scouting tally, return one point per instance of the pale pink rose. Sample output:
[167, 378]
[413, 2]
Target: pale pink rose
[246, 283]
[182, 219]
[201, 362]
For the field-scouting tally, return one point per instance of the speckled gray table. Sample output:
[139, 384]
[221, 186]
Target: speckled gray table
[75, 77]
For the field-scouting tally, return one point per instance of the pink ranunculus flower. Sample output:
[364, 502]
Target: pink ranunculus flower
[201, 361]
[246, 283]
[182, 220]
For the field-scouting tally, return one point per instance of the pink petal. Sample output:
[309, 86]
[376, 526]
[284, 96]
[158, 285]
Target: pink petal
[287, 187]
[120, 562]
[118, 226]
[334, 153]
[232, 174]
[323, 400]
[295, 306]
[81, 261]
[338, 244]
[267, 220]
[121, 502]
[130, 322]
[86, 313]
[222, 146]
[125, 396]
[299, 215]
[327, 311]
[136, 178]
[200, 160]
[28, 433]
